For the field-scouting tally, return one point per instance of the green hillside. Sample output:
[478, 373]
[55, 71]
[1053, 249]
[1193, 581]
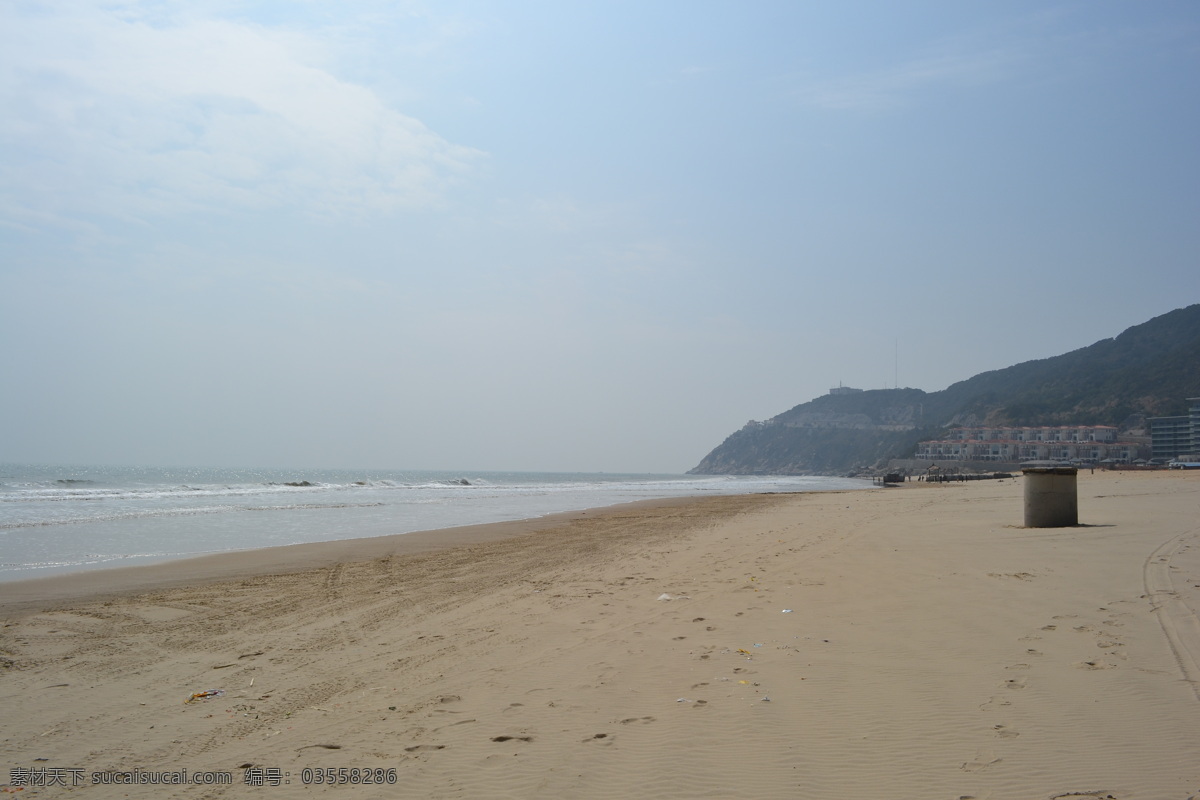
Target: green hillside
[1150, 369]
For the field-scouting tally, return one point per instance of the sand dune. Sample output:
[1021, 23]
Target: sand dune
[902, 643]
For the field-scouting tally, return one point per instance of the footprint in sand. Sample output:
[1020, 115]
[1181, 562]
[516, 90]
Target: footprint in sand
[1014, 683]
[1093, 665]
[419, 747]
[643, 720]
[978, 765]
[512, 738]
[1004, 733]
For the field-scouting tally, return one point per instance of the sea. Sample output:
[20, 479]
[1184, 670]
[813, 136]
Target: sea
[63, 519]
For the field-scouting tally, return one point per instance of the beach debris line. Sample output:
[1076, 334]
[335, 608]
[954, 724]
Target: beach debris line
[205, 695]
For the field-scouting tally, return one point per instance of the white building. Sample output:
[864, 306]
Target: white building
[1088, 443]
[839, 389]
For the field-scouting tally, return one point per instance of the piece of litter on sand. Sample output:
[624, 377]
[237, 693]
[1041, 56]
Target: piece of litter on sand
[683, 700]
[786, 611]
[205, 695]
[665, 596]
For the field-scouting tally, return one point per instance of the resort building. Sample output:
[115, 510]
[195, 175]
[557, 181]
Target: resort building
[1085, 443]
[1172, 437]
[1194, 413]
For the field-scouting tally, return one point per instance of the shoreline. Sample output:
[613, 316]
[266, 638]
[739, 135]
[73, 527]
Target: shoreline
[912, 643]
[127, 524]
[25, 595]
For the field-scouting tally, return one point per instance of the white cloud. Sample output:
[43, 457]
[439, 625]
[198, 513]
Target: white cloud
[105, 113]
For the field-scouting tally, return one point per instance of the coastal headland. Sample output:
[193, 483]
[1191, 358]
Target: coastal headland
[912, 642]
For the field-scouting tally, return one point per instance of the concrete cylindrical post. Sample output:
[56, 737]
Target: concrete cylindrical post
[1051, 496]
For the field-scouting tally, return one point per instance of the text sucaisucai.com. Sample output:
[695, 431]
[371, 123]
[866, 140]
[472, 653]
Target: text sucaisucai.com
[56, 776]
[176, 778]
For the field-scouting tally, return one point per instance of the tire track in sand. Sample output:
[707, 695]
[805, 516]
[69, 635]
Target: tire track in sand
[1179, 621]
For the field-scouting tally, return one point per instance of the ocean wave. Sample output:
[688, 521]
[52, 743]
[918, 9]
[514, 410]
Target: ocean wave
[308, 506]
[41, 494]
[92, 559]
[151, 513]
[117, 517]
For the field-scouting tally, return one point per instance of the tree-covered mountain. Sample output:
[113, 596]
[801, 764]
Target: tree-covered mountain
[1150, 369]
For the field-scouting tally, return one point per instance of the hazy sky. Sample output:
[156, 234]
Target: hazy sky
[563, 236]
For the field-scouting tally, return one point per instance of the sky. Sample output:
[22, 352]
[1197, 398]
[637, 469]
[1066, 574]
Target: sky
[586, 236]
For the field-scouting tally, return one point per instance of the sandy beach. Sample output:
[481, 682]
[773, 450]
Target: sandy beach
[914, 642]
